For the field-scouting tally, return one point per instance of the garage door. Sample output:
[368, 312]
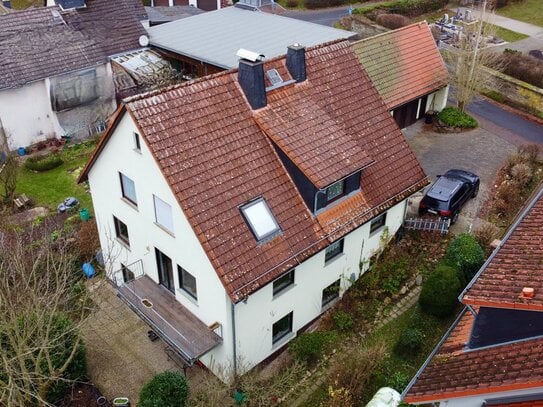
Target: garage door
[161, 3]
[180, 2]
[406, 115]
[207, 5]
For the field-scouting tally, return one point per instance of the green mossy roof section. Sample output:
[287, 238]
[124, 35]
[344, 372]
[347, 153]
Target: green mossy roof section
[403, 64]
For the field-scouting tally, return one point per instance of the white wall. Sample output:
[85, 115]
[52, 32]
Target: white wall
[477, 401]
[27, 116]
[182, 247]
[254, 319]
[437, 100]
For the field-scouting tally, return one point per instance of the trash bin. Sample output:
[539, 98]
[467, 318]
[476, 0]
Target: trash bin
[429, 117]
[88, 270]
[21, 151]
[84, 214]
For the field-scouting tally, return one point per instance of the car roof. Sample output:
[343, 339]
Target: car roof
[444, 188]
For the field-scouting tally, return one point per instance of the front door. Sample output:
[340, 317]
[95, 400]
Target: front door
[165, 270]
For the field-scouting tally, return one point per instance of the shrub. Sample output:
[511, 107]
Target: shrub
[309, 347]
[392, 21]
[343, 320]
[313, 4]
[485, 234]
[522, 174]
[43, 163]
[292, 3]
[409, 343]
[440, 291]
[495, 95]
[524, 68]
[528, 153]
[165, 389]
[453, 117]
[465, 255]
[87, 242]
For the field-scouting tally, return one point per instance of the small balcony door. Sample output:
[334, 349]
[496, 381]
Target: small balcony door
[165, 270]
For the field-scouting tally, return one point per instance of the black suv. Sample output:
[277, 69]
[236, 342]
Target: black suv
[449, 193]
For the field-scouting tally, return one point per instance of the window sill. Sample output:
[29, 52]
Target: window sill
[283, 291]
[130, 203]
[334, 259]
[281, 342]
[168, 231]
[123, 243]
[187, 296]
[137, 150]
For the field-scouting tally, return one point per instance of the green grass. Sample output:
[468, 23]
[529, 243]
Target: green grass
[22, 4]
[393, 365]
[507, 35]
[529, 11]
[51, 187]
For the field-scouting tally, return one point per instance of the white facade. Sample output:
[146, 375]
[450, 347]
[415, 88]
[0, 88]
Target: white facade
[254, 317]
[27, 115]
[478, 400]
[436, 101]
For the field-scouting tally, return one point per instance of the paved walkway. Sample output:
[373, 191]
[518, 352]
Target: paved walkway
[320, 375]
[121, 358]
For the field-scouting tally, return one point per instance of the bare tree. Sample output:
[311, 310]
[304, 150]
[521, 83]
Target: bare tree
[8, 168]
[42, 304]
[468, 59]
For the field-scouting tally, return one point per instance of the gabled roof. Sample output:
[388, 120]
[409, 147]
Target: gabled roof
[403, 64]
[216, 36]
[454, 371]
[516, 263]
[43, 42]
[216, 156]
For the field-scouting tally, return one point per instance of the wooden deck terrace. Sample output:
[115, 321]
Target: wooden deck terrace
[174, 323]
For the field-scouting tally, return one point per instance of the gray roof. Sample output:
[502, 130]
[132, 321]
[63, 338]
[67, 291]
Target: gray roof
[216, 36]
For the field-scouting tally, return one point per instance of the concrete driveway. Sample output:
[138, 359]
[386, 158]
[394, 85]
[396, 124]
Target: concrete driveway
[479, 151]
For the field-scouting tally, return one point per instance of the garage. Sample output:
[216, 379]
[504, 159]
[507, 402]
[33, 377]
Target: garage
[409, 113]
[207, 5]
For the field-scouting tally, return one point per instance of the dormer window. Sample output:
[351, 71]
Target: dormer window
[335, 190]
[260, 219]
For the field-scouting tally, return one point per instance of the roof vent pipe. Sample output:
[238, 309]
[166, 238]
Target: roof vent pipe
[251, 79]
[296, 62]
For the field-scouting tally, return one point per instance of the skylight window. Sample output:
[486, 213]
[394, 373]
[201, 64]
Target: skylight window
[258, 216]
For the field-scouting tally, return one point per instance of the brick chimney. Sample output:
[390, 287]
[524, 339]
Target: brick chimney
[251, 78]
[296, 62]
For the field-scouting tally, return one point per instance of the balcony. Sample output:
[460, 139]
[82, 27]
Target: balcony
[174, 323]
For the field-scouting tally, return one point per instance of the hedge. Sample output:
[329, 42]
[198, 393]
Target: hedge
[43, 163]
[313, 4]
[409, 8]
[453, 117]
[309, 347]
[466, 256]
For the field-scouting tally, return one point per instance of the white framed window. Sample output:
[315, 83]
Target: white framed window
[330, 293]
[128, 189]
[260, 219]
[282, 328]
[377, 223]
[163, 213]
[335, 191]
[187, 282]
[283, 282]
[333, 251]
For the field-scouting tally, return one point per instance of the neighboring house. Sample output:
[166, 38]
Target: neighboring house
[55, 76]
[160, 15]
[493, 353]
[408, 71]
[207, 43]
[242, 205]
[207, 5]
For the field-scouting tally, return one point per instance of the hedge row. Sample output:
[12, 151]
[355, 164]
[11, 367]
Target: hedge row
[313, 4]
[409, 8]
[453, 117]
[43, 163]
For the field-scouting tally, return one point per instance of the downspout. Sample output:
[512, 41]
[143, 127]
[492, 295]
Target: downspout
[234, 352]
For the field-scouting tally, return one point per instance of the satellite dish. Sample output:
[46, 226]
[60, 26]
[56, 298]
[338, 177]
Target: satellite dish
[144, 40]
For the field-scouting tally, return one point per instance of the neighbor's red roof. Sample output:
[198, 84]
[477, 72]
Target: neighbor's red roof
[516, 264]
[217, 154]
[403, 64]
[454, 372]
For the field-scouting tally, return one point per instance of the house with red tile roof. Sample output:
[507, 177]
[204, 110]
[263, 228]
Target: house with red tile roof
[407, 69]
[235, 209]
[56, 59]
[493, 353]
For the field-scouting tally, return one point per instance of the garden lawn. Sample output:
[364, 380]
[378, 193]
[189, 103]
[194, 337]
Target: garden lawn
[51, 187]
[529, 11]
[508, 35]
[22, 4]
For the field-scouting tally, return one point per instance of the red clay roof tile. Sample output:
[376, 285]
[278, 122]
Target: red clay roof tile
[403, 64]
[214, 152]
[516, 264]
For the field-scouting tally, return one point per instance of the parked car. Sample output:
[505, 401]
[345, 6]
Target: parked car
[536, 53]
[449, 193]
